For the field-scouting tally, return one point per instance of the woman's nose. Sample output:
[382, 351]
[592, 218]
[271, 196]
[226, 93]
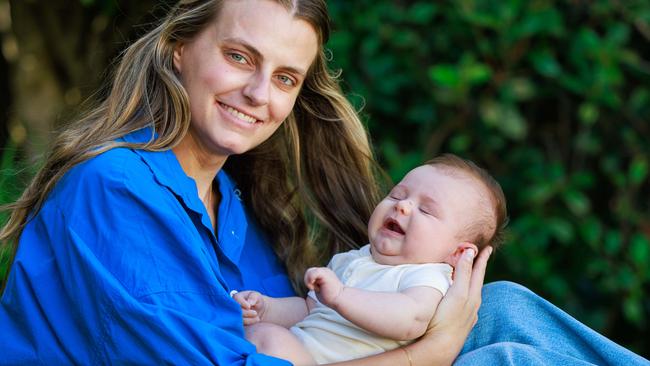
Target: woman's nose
[257, 89]
[404, 207]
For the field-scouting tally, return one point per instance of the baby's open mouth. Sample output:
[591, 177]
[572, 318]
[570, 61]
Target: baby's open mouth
[393, 225]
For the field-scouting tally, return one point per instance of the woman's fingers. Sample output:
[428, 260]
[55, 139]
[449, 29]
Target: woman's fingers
[463, 274]
[464, 296]
[458, 310]
[478, 273]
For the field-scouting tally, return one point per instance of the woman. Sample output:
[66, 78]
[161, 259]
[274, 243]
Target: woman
[223, 136]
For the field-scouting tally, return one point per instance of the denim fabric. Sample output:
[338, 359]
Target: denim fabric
[517, 327]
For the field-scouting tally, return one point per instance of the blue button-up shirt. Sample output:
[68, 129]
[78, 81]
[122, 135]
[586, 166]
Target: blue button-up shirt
[121, 266]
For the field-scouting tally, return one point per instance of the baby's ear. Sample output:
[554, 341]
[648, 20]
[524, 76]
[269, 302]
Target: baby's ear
[458, 252]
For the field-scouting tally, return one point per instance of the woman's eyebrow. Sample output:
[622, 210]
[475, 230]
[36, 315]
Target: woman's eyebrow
[255, 52]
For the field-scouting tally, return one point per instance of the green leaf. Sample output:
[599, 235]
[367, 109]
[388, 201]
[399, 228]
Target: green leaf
[588, 113]
[504, 117]
[618, 34]
[557, 285]
[591, 231]
[640, 251]
[583, 179]
[577, 202]
[521, 88]
[445, 75]
[539, 193]
[460, 143]
[476, 73]
[545, 63]
[612, 244]
[633, 310]
[542, 21]
[422, 12]
[561, 229]
[588, 142]
[638, 170]
[640, 99]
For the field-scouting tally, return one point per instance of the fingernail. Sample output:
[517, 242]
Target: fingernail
[470, 253]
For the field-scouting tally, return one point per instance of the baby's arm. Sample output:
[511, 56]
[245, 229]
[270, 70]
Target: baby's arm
[283, 311]
[397, 315]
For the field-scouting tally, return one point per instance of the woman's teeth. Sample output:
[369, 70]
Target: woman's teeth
[239, 115]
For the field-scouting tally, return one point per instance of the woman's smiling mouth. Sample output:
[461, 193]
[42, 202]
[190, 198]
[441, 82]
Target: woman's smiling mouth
[238, 114]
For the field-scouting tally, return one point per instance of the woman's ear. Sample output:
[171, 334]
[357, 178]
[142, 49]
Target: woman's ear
[454, 257]
[178, 52]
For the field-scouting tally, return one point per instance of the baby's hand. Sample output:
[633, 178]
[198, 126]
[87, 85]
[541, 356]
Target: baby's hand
[324, 282]
[252, 304]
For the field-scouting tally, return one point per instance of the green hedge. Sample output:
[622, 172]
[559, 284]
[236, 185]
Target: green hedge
[12, 172]
[553, 98]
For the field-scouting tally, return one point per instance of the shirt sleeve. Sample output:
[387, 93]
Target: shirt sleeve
[436, 275]
[114, 270]
[340, 261]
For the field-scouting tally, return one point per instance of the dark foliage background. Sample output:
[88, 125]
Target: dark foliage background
[552, 97]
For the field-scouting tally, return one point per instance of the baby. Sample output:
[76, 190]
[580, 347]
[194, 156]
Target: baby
[383, 295]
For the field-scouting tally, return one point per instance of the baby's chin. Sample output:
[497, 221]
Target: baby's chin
[387, 259]
[390, 259]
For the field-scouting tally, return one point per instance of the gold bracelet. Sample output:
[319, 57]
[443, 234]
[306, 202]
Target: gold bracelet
[408, 355]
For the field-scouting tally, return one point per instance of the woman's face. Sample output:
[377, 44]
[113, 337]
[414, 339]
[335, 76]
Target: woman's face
[243, 74]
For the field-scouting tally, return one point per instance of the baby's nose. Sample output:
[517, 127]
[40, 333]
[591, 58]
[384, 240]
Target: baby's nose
[404, 207]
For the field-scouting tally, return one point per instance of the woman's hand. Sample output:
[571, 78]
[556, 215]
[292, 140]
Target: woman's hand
[456, 314]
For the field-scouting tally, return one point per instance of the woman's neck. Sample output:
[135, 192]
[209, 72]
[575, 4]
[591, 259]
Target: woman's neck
[199, 164]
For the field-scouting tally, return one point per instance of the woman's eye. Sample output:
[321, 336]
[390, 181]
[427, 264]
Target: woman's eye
[237, 58]
[286, 80]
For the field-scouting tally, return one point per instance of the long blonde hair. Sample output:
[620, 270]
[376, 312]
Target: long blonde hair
[310, 182]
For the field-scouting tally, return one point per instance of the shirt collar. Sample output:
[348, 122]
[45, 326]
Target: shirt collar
[168, 171]
[365, 251]
[232, 223]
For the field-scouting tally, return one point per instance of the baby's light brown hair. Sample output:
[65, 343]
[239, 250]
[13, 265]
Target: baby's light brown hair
[489, 226]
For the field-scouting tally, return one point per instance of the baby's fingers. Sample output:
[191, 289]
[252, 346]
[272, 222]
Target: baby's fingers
[251, 320]
[249, 314]
[241, 300]
[253, 299]
[311, 278]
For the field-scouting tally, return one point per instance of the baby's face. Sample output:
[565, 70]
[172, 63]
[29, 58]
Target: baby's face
[423, 217]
